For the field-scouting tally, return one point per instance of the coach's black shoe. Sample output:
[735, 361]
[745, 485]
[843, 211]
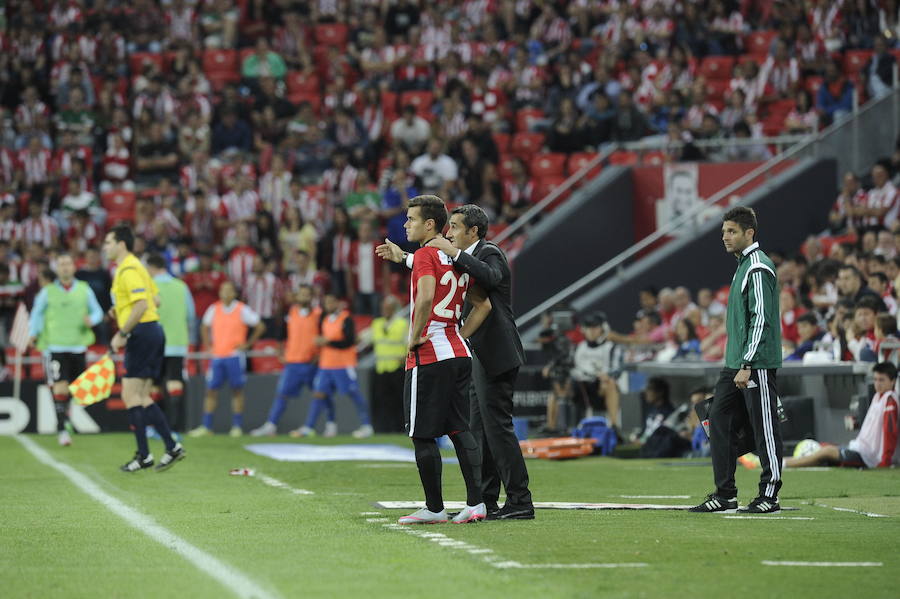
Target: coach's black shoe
[170, 457]
[138, 463]
[512, 512]
[716, 504]
[761, 505]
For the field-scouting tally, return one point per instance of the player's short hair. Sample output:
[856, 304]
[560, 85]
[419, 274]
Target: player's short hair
[474, 216]
[432, 208]
[887, 324]
[744, 217]
[123, 233]
[886, 368]
[156, 261]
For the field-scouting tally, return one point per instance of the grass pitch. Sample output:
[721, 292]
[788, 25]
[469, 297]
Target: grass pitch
[56, 541]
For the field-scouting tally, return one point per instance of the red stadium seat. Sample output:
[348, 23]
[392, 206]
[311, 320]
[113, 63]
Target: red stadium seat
[36, 372]
[579, 159]
[505, 166]
[119, 205]
[421, 100]
[243, 53]
[812, 85]
[331, 34]
[543, 186]
[220, 61]
[526, 116]
[855, 60]
[269, 363]
[716, 88]
[757, 58]
[314, 99]
[136, 61]
[525, 145]
[717, 67]
[624, 158]
[298, 81]
[759, 42]
[544, 165]
[389, 105]
[218, 81]
[502, 140]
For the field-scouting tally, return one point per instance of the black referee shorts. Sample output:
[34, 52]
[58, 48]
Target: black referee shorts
[172, 370]
[61, 366]
[145, 351]
[436, 398]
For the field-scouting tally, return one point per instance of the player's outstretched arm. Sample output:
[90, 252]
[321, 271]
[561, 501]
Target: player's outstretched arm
[389, 251]
[481, 309]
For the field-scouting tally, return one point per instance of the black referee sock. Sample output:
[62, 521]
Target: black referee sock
[139, 426]
[61, 403]
[155, 417]
[428, 460]
[469, 457]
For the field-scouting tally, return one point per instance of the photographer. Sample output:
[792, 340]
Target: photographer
[558, 347]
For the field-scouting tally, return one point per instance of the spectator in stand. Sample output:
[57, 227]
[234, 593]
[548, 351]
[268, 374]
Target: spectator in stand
[861, 335]
[630, 124]
[204, 282]
[518, 192]
[803, 118]
[882, 203]
[340, 179]
[843, 215]
[262, 63]
[850, 284]
[808, 335]
[781, 71]
[835, 96]
[368, 271]
[886, 331]
[157, 156]
[790, 313]
[334, 248]
[565, 134]
[686, 341]
[881, 284]
[597, 365]
[436, 170]
[746, 152]
[264, 294]
[411, 130]
[878, 73]
[231, 133]
[38, 228]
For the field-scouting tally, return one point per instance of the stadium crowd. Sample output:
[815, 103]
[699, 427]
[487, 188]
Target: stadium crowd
[272, 143]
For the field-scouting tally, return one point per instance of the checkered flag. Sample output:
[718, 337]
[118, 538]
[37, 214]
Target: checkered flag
[94, 384]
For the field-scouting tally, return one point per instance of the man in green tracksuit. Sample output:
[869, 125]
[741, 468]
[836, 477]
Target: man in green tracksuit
[178, 318]
[60, 326]
[746, 392]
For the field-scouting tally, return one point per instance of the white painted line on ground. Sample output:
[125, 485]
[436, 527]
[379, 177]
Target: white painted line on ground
[553, 505]
[847, 509]
[370, 513]
[824, 564]
[274, 482]
[489, 557]
[655, 496]
[812, 469]
[226, 575]
[385, 465]
[764, 517]
[377, 520]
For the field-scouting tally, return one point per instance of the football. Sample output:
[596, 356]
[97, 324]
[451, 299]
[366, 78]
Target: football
[806, 447]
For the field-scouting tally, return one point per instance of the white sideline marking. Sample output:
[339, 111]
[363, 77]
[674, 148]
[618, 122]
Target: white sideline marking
[376, 519]
[370, 513]
[851, 510]
[825, 564]
[226, 575]
[274, 482]
[553, 505]
[655, 496]
[492, 559]
[762, 517]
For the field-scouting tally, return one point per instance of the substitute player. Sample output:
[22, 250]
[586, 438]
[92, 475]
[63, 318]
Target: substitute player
[60, 326]
[438, 368]
[178, 318]
[140, 333]
[225, 328]
[300, 355]
[337, 370]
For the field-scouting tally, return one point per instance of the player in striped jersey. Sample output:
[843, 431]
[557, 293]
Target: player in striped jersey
[439, 366]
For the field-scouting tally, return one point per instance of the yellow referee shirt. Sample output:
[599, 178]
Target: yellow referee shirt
[131, 284]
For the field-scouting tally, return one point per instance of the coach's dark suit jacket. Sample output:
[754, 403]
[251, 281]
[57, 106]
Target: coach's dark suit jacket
[498, 356]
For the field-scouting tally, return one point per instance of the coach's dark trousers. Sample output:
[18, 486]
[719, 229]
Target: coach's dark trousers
[491, 405]
[741, 419]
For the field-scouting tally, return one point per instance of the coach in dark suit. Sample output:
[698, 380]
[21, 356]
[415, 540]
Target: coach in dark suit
[498, 356]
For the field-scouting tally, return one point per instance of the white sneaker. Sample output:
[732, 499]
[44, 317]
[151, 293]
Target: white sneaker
[423, 516]
[64, 438]
[200, 431]
[303, 431]
[266, 430]
[471, 513]
[235, 432]
[364, 432]
[330, 430]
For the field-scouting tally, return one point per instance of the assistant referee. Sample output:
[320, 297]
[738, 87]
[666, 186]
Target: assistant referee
[134, 297]
[746, 390]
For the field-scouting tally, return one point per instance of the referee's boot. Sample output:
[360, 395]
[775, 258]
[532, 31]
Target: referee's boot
[137, 463]
[716, 504]
[169, 458]
[761, 505]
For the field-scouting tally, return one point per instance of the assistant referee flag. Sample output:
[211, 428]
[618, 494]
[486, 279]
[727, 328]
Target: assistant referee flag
[94, 384]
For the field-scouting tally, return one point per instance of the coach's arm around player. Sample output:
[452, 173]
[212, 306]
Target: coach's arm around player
[481, 309]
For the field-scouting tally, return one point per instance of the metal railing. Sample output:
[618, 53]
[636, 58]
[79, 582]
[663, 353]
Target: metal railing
[690, 218]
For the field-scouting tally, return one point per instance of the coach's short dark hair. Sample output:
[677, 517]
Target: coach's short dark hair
[886, 368]
[156, 261]
[744, 217]
[474, 216]
[432, 208]
[123, 233]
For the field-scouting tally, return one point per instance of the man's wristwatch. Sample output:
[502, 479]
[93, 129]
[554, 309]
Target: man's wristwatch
[124, 334]
[746, 366]
[405, 256]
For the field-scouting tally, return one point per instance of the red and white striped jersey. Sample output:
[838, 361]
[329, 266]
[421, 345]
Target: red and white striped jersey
[446, 308]
[28, 272]
[877, 439]
[30, 49]
[27, 115]
[339, 183]
[780, 75]
[36, 166]
[240, 264]
[263, 293]
[9, 230]
[518, 195]
[883, 197]
[237, 207]
[181, 24]
[63, 157]
[43, 231]
[275, 193]
[8, 165]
